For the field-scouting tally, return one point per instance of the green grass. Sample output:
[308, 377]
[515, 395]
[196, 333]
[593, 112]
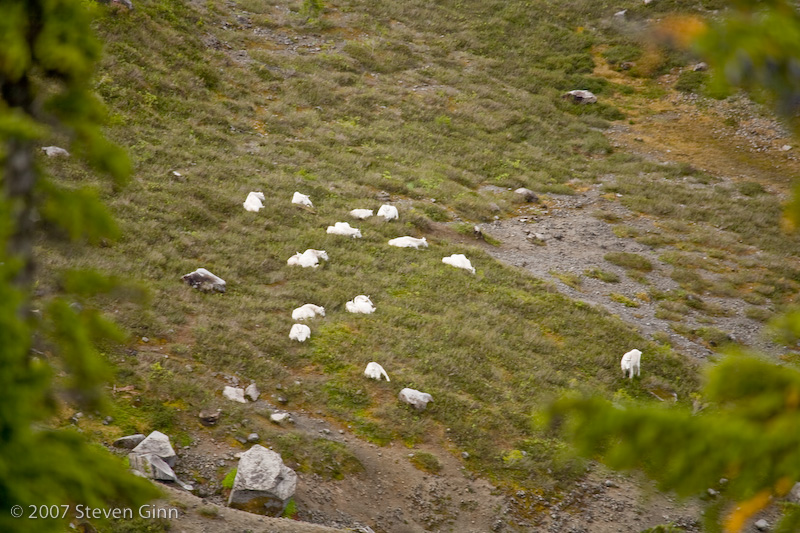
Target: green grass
[427, 462]
[629, 261]
[602, 275]
[373, 110]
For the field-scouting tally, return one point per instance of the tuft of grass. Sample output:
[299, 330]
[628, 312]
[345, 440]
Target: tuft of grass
[624, 300]
[690, 81]
[227, 482]
[427, 462]
[629, 260]
[568, 278]
[602, 275]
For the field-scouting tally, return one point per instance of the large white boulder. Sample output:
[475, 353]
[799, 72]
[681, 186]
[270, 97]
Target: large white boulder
[388, 212]
[154, 467]
[360, 304]
[309, 258]
[307, 311]
[300, 332]
[375, 371]
[263, 484]
[301, 199]
[459, 261]
[157, 443]
[409, 242]
[203, 280]
[419, 400]
[343, 228]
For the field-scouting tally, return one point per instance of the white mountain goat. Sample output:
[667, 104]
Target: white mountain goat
[301, 199]
[459, 261]
[343, 228]
[304, 312]
[409, 242]
[389, 212]
[375, 371]
[360, 304]
[630, 363]
[309, 258]
[361, 214]
[253, 202]
[300, 332]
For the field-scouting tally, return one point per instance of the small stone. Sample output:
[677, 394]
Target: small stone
[253, 438]
[762, 525]
[145, 339]
[609, 483]
[55, 151]
[700, 67]
[465, 455]
[279, 418]
[526, 195]
[786, 148]
[252, 392]
[209, 418]
[713, 493]
[107, 420]
[283, 400]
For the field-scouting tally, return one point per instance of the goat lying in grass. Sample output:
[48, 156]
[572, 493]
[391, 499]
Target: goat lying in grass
[409, 242]
[360, 304]
[304, 312]
[630, 363]
[389, 212]
[301, 199]
[253, 202]
[361, 214]
[343, 228]
[300, 332]
[375, 371]
[459, 261]
[309, 258]
[203, 280]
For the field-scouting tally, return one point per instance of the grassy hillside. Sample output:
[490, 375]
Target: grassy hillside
[430, 102]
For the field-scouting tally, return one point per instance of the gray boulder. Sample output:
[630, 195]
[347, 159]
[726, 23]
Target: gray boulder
[158, 444]
[526, 195]
[152, 466]
[580, 97]
[209, 418]
[235, 394]
[419, 400]
[203, 280]
[252, 392]
[263, 484]
[128, 442]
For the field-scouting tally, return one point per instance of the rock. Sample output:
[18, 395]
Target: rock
[627, 65]
[203, 280]
[620, 15]
[527, 194]
[762, 525]
[786, 148]
[154, 467]
[279, 418]
[609, 483]
[234, 393]
[465, 455]
[263, 484]
[700, 67]
[157, 443]
[794, 494]
[108, 420]
[128, 442]
[55, 151]
[713, 493]
[252, 392]
[419, 400]
[580, 97]
[253, 438]
[383, 196]
[209, 418]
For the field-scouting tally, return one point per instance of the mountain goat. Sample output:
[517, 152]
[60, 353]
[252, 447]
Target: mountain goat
[361, 214]
[343, 228]
[375, 371]
[409, 242]
[459, 261]
[253, 202]
[389, 212]
[304, 312]
[360, 304]
[630, 363]
[301, 199]
[300, 332]
[309, 258]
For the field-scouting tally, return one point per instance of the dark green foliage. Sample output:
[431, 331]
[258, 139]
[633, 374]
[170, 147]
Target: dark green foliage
[48, 56]
[743, 436]
[690, 81]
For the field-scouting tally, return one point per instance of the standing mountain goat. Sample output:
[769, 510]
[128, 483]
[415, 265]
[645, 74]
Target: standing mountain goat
[630, 363]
